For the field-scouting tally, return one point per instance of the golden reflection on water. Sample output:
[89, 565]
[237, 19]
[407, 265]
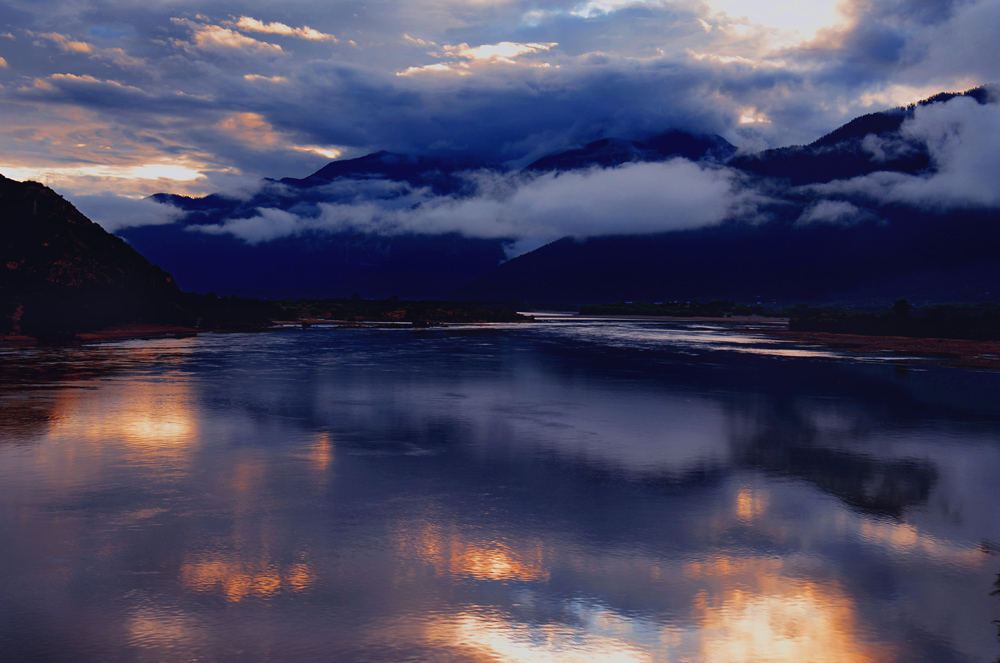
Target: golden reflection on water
[906, 539]
[495, 638]
[751, 504]
[752, 611]
[800, 621]
[321, 453]
[450, 551]
[236, 579]
[154, 415]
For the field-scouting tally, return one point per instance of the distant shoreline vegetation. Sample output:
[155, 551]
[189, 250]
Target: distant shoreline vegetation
[393, 309]
[66, 315]
[974, 322]
[692, 309]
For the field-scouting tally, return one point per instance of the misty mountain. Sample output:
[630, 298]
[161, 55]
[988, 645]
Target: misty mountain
[867, 144]
[611, 152]
[920, 256]
[342, 262]
[832, 228]
[891, 204]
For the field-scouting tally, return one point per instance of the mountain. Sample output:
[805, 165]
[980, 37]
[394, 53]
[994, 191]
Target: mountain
[873, 251]
[918, 255]
[610, 152]
[62, 272]
[885, 252]
[438, 173]
[348, 261]
[851, 150]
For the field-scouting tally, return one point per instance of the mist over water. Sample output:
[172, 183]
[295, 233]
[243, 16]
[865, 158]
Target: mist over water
[571, 491]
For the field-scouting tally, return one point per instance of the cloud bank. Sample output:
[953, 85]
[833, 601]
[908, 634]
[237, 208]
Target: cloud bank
[963, 140]
[525, 209]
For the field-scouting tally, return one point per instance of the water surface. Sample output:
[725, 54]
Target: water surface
[573, 491]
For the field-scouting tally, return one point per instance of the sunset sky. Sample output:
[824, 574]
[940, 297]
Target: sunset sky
[125, 98]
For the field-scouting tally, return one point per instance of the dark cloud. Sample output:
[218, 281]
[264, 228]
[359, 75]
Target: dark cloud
[185, 80]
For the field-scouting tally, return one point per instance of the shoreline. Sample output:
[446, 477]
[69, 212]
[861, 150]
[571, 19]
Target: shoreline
[960, 353]
[126, 333]
[741, 319]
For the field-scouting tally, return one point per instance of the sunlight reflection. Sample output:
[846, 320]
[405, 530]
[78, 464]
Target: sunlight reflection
[237, 580]
[458, 554]
[753, 610]
[750, 504]
[321, 453]
[151, 415]
[803, 621]
[532, 643]
[760, 616]
[903, 538]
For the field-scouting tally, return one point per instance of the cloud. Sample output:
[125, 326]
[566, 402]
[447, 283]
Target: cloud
[419, 42]
[962, 139]
[640, 198]
[162, 83]
[67, 44]
[213, 37]
[305, 32]
[114, 212]
[834, 212]
[463, 57]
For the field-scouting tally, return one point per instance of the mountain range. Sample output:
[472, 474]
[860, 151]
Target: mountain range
[820, 228]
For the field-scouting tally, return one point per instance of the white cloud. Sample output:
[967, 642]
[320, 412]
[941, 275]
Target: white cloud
[962, 138]
[115, 212]
[305, 32]
[633, 199]
[593, 8]
[464, 57]
[834, 212]
[505, 51]
[269, 224]
[213, 37]
[67, 44]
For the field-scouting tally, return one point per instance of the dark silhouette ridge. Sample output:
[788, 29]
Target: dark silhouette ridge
[60, 272]
[610, 152]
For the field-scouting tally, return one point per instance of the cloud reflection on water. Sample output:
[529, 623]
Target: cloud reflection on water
[484, 497]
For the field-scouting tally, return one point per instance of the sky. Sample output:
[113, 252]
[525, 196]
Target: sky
[113, 100]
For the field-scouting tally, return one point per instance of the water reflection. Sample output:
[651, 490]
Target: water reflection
[573, 493]
[450, 551]
[236, 580]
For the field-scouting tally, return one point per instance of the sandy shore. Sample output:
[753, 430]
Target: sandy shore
[953, 352]
[736, 319]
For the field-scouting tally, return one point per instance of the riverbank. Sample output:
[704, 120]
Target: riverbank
[123, 333]
[953, 352]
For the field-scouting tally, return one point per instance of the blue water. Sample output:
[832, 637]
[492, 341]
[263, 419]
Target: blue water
[567, 491]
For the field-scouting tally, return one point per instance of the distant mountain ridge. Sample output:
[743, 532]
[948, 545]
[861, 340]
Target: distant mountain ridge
[777, 259]
[343, 263]
[610, 152]
[842, 154]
